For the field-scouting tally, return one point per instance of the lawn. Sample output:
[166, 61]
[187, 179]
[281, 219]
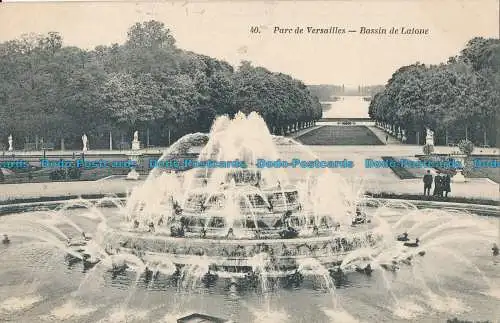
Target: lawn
[340, 135]
[491, 173]
[50, 175]
[401, 172]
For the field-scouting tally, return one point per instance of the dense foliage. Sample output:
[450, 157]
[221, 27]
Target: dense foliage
[466, 147]
[53, 91]
[458, 100]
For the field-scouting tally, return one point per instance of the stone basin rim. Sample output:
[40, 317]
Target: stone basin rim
[21, 207]
[328, 238]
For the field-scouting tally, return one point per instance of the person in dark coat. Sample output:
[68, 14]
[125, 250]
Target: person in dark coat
[427, 183]
[443, 183]
[446, 185]
[438, 185]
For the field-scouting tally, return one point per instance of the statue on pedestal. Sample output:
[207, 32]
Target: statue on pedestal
[429, 138]
[85, 142]
[136, 144]
[134, 157]
[11, 148]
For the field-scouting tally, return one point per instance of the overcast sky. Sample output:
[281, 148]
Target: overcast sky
[222, 30]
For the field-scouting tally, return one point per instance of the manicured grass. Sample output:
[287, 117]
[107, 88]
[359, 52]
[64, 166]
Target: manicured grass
[421, 197]
[58, 198]
[491, 173]
[340, 135]
[44, 176]
[402, 173]
[455, 320]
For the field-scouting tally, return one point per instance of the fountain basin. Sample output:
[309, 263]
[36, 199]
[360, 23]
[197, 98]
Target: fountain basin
[235, 257]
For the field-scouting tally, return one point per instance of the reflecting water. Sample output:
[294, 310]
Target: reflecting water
[348, 107]
[455, 276]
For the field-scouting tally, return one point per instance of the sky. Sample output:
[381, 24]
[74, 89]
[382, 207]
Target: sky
[222, 30]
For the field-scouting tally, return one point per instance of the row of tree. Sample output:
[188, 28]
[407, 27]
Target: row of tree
[52, 91]
[458, 100]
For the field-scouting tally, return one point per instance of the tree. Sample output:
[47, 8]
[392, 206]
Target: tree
[466, 147]
[145, 83]
[151, 35]
[458, 99]
[132, 101]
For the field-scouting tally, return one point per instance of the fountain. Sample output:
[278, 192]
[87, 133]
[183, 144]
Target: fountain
[227, 216]
[230, 223]
[236, 233]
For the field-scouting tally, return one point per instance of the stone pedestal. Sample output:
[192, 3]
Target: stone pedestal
[459, 178]
[133, 174]
[134, 157]
[136, 145]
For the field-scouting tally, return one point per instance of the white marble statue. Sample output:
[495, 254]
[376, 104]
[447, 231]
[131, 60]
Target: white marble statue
[429, 138]
[11, 148]
[85, 142]
[136, 145]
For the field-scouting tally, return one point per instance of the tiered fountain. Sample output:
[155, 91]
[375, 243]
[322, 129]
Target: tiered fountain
[231, 220]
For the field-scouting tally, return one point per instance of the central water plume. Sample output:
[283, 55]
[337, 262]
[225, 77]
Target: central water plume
[239, 190]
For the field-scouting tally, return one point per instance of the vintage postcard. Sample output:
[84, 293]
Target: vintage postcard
[249, 161]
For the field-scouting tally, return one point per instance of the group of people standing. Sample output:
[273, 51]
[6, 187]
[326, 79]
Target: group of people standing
[442, 184]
